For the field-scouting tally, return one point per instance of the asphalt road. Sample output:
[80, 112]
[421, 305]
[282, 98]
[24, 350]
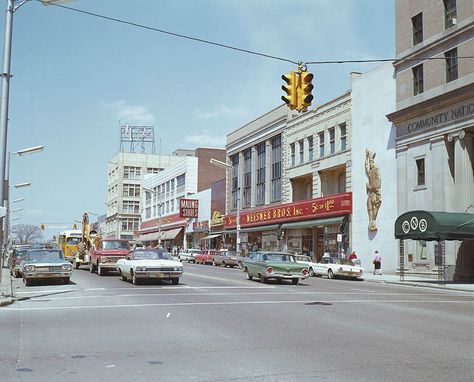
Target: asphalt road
[217, 326]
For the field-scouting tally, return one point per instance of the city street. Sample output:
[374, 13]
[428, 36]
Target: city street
[218, 326]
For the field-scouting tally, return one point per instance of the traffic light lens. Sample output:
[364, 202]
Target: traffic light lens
[308, 78]
[308, 99]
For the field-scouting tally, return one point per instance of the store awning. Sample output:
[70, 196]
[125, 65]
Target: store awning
[153, 236]
[211, 236]
[170, 234]
[312, 223]
[429, 226]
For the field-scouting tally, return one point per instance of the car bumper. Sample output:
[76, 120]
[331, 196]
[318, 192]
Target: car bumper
[349, 274]
[286, 276]
[46, 275]
[109, 266]
[158, 275]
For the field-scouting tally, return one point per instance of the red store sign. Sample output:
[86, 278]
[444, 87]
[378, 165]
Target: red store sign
[335, 205]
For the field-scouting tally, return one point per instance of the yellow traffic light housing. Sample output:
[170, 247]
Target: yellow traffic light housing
[305, 87]
[291, 97]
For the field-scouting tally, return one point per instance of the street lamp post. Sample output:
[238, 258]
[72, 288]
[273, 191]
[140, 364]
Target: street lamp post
[154, 197]
[6, 191]
[226, 166]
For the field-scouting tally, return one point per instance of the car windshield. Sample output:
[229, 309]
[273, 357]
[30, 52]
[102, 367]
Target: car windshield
[303, 258]
[277, 257]
[151, 255]
[21, 253]
[72, 240]
[229, 253]
[114, 244]
[44, 255]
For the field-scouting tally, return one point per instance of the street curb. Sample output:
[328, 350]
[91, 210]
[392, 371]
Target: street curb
[417, 284]
[7, 301]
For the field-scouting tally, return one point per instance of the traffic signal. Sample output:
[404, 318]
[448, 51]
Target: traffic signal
[291, 97]
[305, 87]
[42, 227]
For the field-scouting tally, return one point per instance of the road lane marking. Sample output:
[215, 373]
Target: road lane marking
[184, 304]
[276, 293]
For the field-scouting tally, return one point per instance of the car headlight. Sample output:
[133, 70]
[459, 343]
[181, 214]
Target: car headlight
[103, 259]
[139, 269]
[30, 268]
[66, 267]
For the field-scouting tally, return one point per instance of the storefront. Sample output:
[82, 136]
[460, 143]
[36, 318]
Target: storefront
[311, 227]
[169, 230]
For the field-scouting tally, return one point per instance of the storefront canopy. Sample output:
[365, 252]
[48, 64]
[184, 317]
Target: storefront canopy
[211, 236]
[429, 226]
[163, 235]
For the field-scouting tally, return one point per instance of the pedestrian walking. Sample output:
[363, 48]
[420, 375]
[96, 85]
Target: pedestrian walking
[342, 255]
[377, 263]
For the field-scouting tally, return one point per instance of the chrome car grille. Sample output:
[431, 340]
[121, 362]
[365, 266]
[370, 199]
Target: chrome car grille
[49, 269]
[161, 269]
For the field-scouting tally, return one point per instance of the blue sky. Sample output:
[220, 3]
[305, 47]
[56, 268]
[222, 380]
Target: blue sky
[76, 76]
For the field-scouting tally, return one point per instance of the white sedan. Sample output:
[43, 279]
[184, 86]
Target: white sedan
[308, 262]
[149, 264]
[333, 267]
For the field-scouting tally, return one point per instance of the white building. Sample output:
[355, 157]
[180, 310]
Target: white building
[125, 175]
[373, 96]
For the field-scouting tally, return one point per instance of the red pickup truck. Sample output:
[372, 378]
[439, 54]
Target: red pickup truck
[106, 253]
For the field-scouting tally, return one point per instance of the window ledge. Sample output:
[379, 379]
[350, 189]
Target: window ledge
[419, 188]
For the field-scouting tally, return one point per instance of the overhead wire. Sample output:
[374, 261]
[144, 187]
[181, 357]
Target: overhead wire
[248, 51]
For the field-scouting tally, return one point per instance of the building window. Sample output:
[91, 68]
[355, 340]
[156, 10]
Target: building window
[247, 177]
[420, 170]
[235, 180]
[417, 22]
[310, 148]
[293, 154]
[129, 224]
[261, 173]
[450, 15]
[180, 181]
[341, 187]
[418, 79]
[451, 65]
[152, 170]
[332, 140]
[301, 144]
[131, 190]
[131, 207]
[343, 133]
[276, 169]
[321, 144]
[130, 172]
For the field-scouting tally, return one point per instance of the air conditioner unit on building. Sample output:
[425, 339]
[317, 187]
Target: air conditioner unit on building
[454, 21]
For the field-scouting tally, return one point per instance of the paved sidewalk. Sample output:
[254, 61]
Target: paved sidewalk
[417, 280]
[6, 297]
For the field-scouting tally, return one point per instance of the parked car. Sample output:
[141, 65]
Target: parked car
[44, 264]
[149, 264]
[275, 265]
[304, 259]
[189, 255]
[226, 258]
[334, 267]
[206, 256]
[17, 255]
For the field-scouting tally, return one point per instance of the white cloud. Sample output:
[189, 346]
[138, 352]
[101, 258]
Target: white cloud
[206, 139]
[220, 111]
[132, 114]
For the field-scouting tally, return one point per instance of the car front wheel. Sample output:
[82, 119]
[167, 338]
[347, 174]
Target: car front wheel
[294, 281]
[175, 281]
[311, 272]
[27, 282]
[330, 274]
[134, 279]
